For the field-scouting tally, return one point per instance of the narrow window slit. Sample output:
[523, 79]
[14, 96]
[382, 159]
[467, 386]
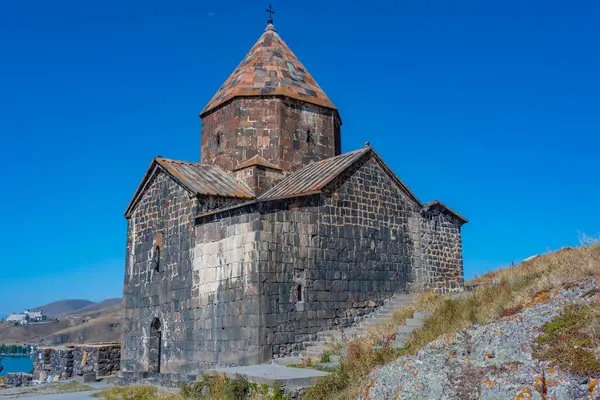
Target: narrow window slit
[156, 258]
[299, 289]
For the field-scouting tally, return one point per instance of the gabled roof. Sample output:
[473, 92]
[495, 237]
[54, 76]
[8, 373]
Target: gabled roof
[444, 208]
[256, 160]
[270, 69]
[314, 177]
[196, 178]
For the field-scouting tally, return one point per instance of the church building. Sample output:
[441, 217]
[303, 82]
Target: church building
[275, 235]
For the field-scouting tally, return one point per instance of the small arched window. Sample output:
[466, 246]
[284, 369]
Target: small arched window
[218, 139]
[156, 258]
[308, 136]
[299, 288]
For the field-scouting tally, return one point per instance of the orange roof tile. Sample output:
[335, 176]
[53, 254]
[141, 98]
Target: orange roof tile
[270, 69]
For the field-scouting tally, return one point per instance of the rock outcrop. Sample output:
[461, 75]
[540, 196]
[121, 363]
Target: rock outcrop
[490, 361]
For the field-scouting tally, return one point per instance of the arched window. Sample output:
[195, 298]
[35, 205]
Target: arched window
[308, 136]
[300, 294]
[156, 258]
[218, 140]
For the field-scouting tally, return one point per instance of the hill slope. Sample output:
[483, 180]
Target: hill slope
[101, 305]
[62, 307]
[99, 322]
[549, 307]
[93, 327]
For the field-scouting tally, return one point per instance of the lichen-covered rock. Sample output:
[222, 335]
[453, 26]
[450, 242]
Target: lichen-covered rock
[491, 361]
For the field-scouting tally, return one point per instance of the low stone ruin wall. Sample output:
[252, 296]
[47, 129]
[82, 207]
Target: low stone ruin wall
[16, 379]
[91, 362]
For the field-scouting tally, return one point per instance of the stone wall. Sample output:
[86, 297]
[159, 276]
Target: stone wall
[159, 322]
[55, 361]
[226, 290]
[316, 262]
[329, 260]
[65, 362]
[285, 132]
[17, 379]
[441, 251]
[240, 286]
[259, 178]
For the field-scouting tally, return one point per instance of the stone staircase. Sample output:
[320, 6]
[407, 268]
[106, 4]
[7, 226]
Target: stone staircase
[409, 326]
[381, 315]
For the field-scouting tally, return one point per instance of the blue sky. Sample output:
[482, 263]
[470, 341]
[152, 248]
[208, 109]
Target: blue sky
[490, 108]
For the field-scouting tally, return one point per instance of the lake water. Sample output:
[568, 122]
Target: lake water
[16, 364]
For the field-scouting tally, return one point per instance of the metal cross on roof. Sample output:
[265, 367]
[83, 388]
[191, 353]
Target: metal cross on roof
[271, 12]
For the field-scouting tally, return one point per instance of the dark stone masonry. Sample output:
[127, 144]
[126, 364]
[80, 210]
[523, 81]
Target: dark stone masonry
[274, 236]
[18, 379]
[86, 362]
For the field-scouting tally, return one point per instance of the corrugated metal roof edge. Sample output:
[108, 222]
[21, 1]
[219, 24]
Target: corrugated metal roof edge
[382, 164]
[437, 203]
[353, 156]
[154, 165]
[252, 202]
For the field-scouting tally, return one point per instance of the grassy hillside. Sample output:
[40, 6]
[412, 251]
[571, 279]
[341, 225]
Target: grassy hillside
[98, 322]
[32, 334]
[93, 327]
[502, 292]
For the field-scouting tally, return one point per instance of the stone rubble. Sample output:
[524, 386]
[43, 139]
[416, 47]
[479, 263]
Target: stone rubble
[490, 361]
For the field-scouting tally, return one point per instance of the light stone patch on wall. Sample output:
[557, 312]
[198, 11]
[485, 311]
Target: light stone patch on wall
[225, 288]
[223, 259]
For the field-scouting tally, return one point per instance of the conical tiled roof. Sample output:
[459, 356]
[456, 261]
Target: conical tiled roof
[270, 69]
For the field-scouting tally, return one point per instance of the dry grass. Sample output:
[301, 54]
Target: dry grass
[503, 292]
[208, 388]
[137, 393]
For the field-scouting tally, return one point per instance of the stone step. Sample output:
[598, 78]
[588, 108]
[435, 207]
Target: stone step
[377, 320]
[406, 328]
[383, 314]
[414, 322]
[422, 314]
[387, 314]
[395, 305]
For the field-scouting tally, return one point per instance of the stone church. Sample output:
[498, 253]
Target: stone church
[275, 235]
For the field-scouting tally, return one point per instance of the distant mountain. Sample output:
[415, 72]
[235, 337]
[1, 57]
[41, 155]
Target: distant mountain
[63, 307]
[98, 306]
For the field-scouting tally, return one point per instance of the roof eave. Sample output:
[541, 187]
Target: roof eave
[256, 201]
[437, 203]
[141, 187]
[154, 166]
[210, 108]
